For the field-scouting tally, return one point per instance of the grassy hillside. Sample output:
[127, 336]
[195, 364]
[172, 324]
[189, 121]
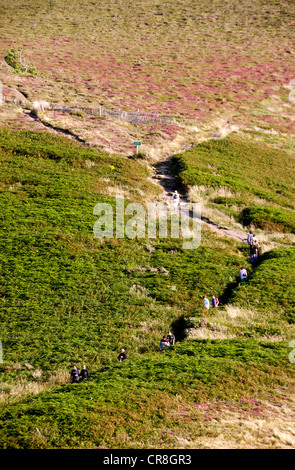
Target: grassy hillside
[271, 283]
[209, 62]
[143, 403]
[68, 298]
[223, 70]
[252, 182]
[56, 273]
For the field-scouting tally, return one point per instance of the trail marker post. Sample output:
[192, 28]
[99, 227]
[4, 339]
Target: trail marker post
[137, 144]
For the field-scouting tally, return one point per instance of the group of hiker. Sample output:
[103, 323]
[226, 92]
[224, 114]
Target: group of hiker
[166, 341]
[254, 253]
[254, 247]
[214, 301]
[77, 375]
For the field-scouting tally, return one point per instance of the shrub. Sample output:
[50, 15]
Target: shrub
[268, 218]
[15, 59]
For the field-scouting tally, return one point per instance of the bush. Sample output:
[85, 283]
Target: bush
[268, 218]
[15, 59]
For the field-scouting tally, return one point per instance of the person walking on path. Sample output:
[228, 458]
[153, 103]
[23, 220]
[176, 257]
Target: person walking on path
[253, 253]
[254, 240]
[215, 301]
[122, 355]
[84, 374]
[75, 374]
[206, 302]
[243, 274]
[175, 199]
[171, 338]
[250, 238]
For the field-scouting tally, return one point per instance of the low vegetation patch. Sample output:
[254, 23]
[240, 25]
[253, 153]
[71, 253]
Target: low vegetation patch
[20, 65]
[270, 288]
[268, 218]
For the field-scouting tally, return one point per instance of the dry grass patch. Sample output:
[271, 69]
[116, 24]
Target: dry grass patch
[207, 333]
[24, 388]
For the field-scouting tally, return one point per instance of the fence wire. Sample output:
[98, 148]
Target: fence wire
[136, 117]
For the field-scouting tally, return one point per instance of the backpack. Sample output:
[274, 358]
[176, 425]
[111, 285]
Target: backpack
[217, 301]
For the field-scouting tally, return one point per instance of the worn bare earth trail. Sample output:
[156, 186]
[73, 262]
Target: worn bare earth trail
[164, 176]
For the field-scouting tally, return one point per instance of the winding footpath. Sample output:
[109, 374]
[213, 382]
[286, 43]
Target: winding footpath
[164, 177]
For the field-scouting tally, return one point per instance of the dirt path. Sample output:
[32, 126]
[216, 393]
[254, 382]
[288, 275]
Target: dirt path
[165, 178]
[162, 175]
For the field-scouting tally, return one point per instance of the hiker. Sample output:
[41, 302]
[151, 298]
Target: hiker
[250, 238]
[254, 240]
[84, 374]
[164, 343]
[75, 374]
[122, 355]
[175, 199]
[171, 338]
[215, 301]
[253, 252]
[243, 274]
[206, 302]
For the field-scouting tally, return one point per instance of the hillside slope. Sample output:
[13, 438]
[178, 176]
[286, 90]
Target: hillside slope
[67, 298]
[207, 89]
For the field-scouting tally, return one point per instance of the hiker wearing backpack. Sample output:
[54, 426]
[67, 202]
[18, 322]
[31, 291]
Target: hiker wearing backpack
[243, 274]
[215, 301]
[253, 252]
[175, 199]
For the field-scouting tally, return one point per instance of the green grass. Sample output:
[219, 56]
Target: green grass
[67, 298]
[58, 278]
[271, 284]
[137, 404]
[259, 181]
[268, 218]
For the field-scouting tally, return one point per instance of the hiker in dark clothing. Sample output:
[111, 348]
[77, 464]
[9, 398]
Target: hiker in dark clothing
[75, 374]
[253, 253]
[171, 338]
[122, 355]
[84, 374]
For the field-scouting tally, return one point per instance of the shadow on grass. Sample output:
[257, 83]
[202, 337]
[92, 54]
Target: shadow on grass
[179, 327]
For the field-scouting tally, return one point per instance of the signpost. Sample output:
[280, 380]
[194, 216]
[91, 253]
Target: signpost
[137, 144]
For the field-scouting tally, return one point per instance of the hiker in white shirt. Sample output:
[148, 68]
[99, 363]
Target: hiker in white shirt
[243, 273]
[175, 199]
